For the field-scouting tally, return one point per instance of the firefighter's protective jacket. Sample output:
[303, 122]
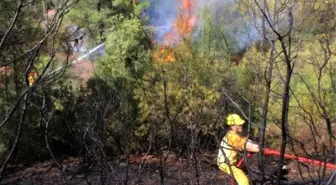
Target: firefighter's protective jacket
[231, 144]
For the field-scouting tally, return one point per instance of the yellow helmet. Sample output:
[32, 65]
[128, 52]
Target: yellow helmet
[234, 119]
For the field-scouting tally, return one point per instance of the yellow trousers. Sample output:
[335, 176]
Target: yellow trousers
[238, 173]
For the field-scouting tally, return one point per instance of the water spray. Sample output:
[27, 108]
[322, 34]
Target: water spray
[98, 49]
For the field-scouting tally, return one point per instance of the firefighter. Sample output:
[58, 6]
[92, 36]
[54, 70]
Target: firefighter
[232, 143]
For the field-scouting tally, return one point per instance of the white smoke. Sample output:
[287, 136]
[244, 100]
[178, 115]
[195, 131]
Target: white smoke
[162, 14]
[239, 28]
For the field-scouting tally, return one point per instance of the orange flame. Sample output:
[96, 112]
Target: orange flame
[164, 55]
[32, 76]
[183, 26]
[186, 17]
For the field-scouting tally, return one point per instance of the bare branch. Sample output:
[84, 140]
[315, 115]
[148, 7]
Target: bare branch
[14, 19]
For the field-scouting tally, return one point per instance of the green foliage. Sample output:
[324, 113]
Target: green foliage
[97, 16]
[213, 42]
[311, 86]
[127, 55]
[313, 83]
[181, 94]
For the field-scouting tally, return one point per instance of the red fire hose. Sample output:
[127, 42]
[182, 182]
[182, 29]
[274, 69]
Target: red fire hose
[240, 163]
[268, 151]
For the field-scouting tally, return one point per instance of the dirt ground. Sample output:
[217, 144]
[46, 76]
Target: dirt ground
[145, 170]
[82, 71]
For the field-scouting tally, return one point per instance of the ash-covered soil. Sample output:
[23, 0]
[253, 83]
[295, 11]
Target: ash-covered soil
[145, 170]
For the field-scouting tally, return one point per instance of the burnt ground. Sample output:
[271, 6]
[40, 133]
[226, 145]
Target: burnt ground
[176, 171]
